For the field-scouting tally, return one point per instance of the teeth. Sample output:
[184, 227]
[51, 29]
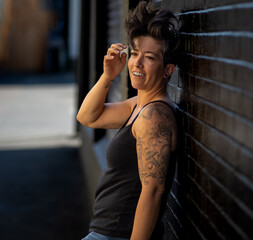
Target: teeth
[138, 74]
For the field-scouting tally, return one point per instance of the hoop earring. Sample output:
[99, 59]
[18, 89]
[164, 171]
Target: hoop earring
[166, 75]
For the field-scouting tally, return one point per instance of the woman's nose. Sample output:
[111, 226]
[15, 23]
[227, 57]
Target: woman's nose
[138, 61]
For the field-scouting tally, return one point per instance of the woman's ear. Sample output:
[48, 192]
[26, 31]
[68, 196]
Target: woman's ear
[169, 69]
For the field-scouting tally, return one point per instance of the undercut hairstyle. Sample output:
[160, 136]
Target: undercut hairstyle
[161, 24]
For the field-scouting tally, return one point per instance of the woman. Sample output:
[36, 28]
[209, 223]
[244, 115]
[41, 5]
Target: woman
[131, 196]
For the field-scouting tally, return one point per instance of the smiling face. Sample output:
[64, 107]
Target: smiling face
[145, 65]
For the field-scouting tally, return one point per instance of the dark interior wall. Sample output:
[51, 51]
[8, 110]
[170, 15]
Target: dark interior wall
[114, 36]
[83, 69]
[211, 195]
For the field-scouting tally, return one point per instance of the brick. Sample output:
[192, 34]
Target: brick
[216, 141]
[179, 192]
[221, 70]
[220, 44]
[200, 206]
[175, 210]
[221, 172]
[172, 221]
[220, 94]
[217, 3]
[186, 5]
[216, 21]
[234, 126]
[236, 101]
[201, 221]
[229, 217]
[215, 102]
[192, 231]
[169, 232]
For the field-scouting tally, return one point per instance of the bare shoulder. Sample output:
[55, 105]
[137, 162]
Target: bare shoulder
[131, 102]
[157, 120]
[157, 113]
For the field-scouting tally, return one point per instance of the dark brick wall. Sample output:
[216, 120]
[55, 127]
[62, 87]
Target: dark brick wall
[212, 193]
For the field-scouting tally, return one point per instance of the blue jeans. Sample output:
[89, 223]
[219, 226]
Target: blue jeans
[96, 236]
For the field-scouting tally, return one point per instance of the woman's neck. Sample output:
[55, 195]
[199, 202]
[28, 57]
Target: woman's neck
[144, 97]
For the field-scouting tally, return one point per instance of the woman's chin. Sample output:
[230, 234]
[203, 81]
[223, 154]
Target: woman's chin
[136, 84]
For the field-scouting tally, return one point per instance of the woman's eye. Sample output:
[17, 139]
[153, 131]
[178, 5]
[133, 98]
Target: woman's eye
[150, 57]
[133, 53]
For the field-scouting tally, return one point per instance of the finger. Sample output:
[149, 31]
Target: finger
[123, 57]
[119, 46]
[113, 51]
[116, 47]
[108, 57]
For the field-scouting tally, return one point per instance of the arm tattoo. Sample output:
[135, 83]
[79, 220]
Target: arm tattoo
[108, 84]
[153, 146]
[160, 109]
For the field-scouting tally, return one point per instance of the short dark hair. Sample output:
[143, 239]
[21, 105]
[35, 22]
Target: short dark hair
[161, 24]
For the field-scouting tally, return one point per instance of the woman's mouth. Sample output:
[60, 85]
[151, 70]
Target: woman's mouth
[138, 74]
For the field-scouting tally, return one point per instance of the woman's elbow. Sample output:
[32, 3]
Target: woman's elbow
[159, 190]
[81, 119]
[155, 190]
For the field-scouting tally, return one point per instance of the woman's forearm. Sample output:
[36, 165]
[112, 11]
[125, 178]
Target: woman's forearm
[146, 215]
[93, 104]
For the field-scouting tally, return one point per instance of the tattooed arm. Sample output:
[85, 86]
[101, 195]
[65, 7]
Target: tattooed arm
[93, 111]
[155, 131]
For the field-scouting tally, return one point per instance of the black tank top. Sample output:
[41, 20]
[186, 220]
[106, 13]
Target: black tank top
[119, 188]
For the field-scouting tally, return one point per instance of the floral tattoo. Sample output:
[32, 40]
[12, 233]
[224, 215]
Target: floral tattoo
[154, 144]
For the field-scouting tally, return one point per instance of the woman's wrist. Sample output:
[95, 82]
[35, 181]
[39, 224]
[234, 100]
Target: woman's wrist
[106, 80]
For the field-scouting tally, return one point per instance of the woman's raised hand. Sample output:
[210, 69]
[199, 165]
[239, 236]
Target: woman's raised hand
[114, 61]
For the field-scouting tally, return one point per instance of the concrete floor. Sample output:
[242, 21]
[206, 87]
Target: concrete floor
[42, 189]
[37, 113]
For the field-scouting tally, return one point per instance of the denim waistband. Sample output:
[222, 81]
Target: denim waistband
[97, 236]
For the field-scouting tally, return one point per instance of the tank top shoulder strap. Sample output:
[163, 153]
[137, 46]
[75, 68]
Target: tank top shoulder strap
[129, 117]
[167, 104]
[131, 113]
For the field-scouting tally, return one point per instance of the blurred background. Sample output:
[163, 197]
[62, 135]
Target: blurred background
[39, 36]
[42, 189]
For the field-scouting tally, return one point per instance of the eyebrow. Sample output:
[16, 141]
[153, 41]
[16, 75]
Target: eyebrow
[134, 49]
